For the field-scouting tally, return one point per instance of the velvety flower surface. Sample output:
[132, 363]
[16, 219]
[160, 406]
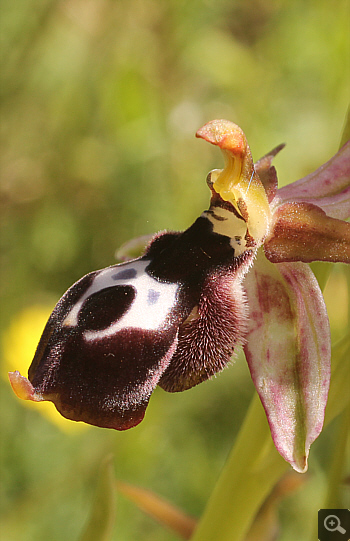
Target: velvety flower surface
[174, 316]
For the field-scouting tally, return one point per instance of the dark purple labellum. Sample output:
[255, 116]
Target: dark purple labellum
[171, 317]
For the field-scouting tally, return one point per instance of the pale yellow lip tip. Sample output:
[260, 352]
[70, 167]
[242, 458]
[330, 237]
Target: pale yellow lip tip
[22, 387]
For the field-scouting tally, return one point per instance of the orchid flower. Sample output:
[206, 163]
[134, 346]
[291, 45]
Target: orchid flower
[174, 316]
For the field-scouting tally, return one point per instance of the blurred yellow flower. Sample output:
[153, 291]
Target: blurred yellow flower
[19, 344]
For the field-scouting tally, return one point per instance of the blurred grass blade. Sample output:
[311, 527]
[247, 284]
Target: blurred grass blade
[322, 271]
[339, 396]
[346, 130]
[133, 248]
[99, 526]
[266, 523]
[337, 468]
[164, 512]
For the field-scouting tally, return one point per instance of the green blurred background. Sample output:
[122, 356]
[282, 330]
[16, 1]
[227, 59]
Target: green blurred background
[100, 100]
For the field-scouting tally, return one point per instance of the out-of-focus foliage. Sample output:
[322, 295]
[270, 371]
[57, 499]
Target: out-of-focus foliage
[100, 100]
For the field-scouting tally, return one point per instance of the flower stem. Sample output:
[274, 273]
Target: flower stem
[251, 471]
[254, 466]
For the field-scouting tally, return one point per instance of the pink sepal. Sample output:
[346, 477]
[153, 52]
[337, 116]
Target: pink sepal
[288, 353]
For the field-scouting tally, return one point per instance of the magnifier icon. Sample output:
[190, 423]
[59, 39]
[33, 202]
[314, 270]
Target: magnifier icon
[332, 524]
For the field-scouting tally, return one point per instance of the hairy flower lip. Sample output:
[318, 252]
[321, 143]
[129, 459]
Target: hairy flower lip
[24, 390]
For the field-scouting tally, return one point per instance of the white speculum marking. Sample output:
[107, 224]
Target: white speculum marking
[228, 224]
[149, 309]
